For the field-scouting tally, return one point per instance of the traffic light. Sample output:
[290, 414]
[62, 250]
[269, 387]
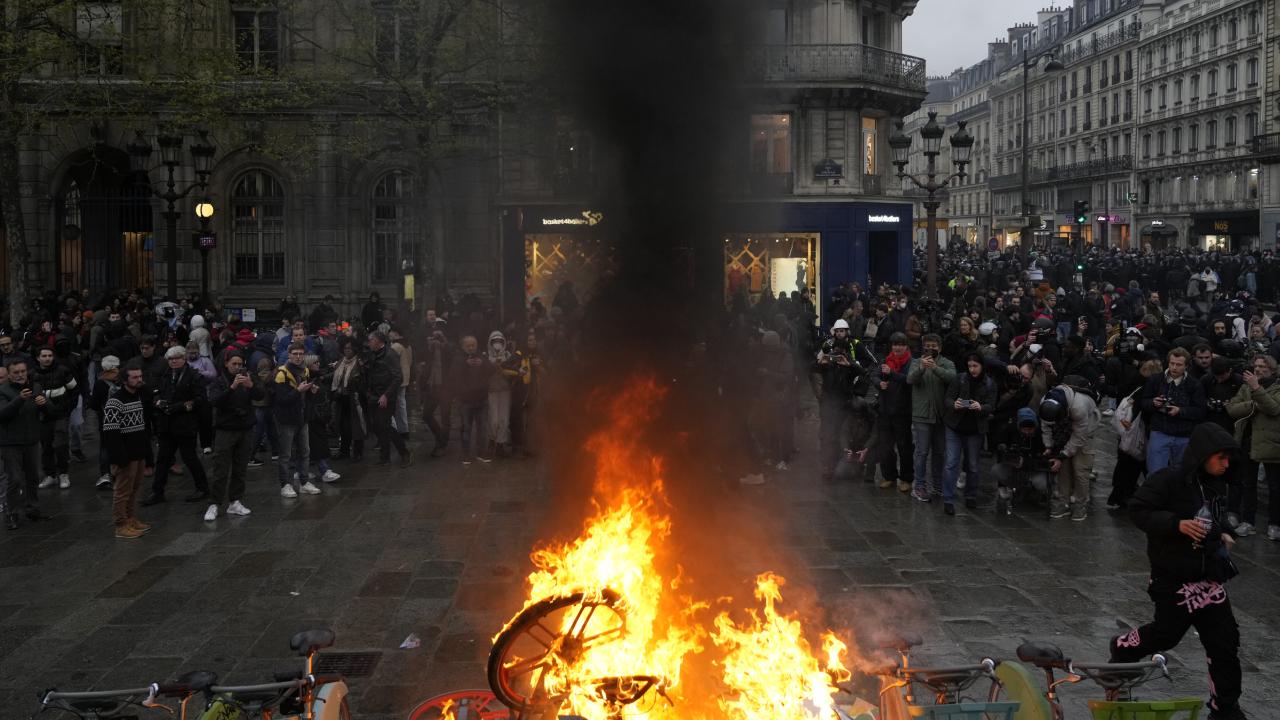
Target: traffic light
[1082, 212]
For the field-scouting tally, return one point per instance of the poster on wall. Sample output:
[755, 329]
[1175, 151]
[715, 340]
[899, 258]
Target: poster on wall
[788, 274]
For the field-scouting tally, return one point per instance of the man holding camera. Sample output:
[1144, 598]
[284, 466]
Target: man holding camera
[22, 402]
[177, 393]
[1173, 404]
[835, 381]
[929, 377]
[232, 394]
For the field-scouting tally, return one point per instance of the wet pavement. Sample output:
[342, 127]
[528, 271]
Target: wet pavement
[440, 551]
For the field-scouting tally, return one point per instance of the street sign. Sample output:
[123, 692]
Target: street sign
[205, 240]
[993, 244]
[827, 169]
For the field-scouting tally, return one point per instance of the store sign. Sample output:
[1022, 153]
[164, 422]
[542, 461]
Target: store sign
[1113, 219]
[1157, 223]
[588, 218]
[883, 219]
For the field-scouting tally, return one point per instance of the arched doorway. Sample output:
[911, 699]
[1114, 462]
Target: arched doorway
[103, 224]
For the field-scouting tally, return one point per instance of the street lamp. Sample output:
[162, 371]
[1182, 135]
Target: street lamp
[961, 147]
[204, 211]
[1029, 64]
[202, 153]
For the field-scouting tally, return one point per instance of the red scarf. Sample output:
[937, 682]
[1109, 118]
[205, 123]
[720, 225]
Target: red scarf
[897, 362]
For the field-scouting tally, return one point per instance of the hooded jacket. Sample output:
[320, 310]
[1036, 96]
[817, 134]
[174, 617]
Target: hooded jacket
[200, 335]
[1177, 493]
[19, 418]
[967, 387]
[929, 389]
[1082, 413]
[1257, 413]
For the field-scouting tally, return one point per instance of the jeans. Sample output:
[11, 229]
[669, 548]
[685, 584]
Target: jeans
[295, 446]
[1064, 331]
[231, 450]
[474, 432]
[400, 420]
[55, 455]
[439, 428]
[75, 426]
[1243, 500]
[833, 415]
[265, 425]
[500, 416]
[967, 446]
[1164, 451]
[930, 448]
[21, 475]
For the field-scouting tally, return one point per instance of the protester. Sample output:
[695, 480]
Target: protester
[469, 386]
[126, 418]
[969, 401]
[382, 379]
[348, 403]
[1173, 404]
[58, 384]
[22, 404]
[231, 395]
[929, 377]
[176, 405]
[290, 388]
[1256, 410]
[1069, 417]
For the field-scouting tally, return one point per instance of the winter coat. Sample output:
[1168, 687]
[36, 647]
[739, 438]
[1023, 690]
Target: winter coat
[382, 374]
[966, 387]
[1082, 413]
[1225, 391]
[171, 396]
[288, 405]
[470, 385]
[60, 388]
[19, 419]
[1187, 396]
[895, 400]
[929, 389]
[1177, 493]
[233, 409]
[1257, 420]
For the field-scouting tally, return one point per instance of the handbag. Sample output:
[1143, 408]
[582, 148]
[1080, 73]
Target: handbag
[1133, 439]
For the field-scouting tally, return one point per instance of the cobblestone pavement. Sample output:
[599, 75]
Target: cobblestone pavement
[441, 551]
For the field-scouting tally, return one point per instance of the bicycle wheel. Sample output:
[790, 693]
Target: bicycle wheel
[463, 704]
[554, 632]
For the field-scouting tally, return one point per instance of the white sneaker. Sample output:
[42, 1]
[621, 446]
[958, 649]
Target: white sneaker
[64, 481]
[960, 483]
[48, 482]
[211, 514]
[1108, 412]
[208, 451]
[288, 491]
[1232, 520]
[103, 481]
[237, 508]
[310, 489]
[330, 476]
[1273, 532]
[1243, 529]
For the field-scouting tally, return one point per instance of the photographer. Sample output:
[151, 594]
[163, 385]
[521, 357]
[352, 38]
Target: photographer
[1173, 404]
[1069, 416]
[1182, 510]
[1256, 408]
[837, 376]
[1221, 383]
[231, 395]
[177, 396]
[929, 376]
[1020, 460]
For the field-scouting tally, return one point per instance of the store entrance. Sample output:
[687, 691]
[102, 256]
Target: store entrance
[562, 266]
[882, 256]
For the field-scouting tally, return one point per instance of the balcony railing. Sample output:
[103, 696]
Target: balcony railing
[1091, 168]
[1266, 147]
[836, 64]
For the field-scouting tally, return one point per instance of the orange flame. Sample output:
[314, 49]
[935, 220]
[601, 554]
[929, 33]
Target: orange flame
[769, 669]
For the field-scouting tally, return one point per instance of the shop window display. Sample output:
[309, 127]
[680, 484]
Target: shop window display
[552, 259]
[769, 262]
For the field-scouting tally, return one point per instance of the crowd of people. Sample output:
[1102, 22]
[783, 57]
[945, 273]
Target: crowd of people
[185, 389]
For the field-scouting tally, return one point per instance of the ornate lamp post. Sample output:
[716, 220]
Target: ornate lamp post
[961, 147]
[204, 211]
[202, 153]
[1029, 64]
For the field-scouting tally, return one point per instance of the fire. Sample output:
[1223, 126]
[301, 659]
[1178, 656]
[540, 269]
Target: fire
[769, 666]
[608, 612]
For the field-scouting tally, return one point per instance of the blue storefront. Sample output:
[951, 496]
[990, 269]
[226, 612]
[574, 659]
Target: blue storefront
[763, 247]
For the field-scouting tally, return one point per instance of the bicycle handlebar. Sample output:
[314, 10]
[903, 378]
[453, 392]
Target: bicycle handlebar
[1156, 661]
[51, 695]
[986, 666]
[263, 688]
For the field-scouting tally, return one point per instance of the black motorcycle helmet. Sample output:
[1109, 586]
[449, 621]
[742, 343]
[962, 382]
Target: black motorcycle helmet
[1052, 409]
[1043, 323]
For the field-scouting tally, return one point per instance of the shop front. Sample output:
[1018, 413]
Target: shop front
[763, 247]
[1159, 234]
[1225, 231]
[1113, 230]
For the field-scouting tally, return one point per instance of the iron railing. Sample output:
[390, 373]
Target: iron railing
[1090, 168]
[836, 64]
[1266, 147]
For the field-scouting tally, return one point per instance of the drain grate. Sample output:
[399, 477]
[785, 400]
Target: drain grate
[348, 664]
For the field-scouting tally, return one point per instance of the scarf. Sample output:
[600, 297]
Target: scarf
[897, 362]
[342, 374]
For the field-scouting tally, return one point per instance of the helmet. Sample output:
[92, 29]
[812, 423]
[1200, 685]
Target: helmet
[1043, 323]
[840, 325]
[1052, 410]
[986, 328]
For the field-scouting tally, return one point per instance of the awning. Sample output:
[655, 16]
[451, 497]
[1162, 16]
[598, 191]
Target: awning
[1160, 230]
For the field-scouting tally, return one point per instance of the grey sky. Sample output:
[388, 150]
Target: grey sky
[954, 33]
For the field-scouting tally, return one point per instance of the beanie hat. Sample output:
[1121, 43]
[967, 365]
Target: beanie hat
[1027, 416]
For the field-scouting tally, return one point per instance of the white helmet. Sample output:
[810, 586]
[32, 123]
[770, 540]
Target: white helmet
[986, 328]
[840, 325]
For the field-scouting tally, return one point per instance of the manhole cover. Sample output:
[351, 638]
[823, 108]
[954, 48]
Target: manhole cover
[348, 664]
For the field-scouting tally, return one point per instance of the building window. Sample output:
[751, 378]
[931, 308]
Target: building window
[1164, 54]
[1160, 143]
[771, 144]
[1195, 42]
[1251, 72]
[1193, 137]
[1213, 82]
[1146, 100]
[1251, 125]
[1177, 141]
[395, 38]
[1146, 145]
[1253, 23]
[1178, 51]
[870, 140]
[1164, 96]
[1177, 92]
[257, 40]
[1233, 30]
[100, 38]
[1211, 134]
[394, 226]
[1213, 36]
[1195, 88]
[257, 201]
[1231, 131]
[1231, 77]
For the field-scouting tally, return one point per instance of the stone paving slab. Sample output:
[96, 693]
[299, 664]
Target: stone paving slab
[441, 551]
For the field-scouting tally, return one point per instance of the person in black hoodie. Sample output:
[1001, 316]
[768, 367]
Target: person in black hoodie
[232, 394]
[469, 385]
[60, 389]
[1183, 511]
[893, 422]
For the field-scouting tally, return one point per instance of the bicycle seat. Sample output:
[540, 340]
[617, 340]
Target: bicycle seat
[902, 642]
[1042, 655]
[311, 641]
